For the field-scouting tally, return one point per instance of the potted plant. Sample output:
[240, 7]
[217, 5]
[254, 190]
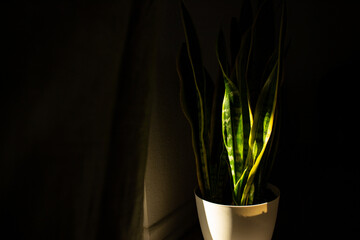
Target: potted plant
[234, 123]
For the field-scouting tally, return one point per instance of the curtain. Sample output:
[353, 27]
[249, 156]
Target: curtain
[75, 96]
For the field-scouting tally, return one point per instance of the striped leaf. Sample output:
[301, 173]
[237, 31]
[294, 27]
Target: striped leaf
[265, 114]
[262, 127]
[235, 122]
[200, 132]
[188, 97]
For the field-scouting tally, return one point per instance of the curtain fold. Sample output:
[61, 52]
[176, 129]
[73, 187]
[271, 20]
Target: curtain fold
[75, 100]
[123, 197]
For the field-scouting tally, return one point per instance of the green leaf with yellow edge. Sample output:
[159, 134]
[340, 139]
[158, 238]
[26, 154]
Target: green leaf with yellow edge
[200, 132]
[189, 96]
[263, 125]
[264, 116]
[235, 122]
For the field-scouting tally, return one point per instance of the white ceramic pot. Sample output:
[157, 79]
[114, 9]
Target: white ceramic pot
[229, 222]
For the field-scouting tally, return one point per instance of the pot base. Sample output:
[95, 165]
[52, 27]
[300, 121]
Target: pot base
[229, 222]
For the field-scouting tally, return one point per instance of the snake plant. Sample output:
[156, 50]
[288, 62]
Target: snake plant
[234, 124]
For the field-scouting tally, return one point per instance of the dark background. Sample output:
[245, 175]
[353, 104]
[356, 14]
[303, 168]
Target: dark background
[57, 91]
[318, 167]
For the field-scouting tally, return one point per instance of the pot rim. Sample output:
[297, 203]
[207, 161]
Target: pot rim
[270, 186]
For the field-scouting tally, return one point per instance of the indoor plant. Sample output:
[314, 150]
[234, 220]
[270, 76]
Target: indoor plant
[234, 125]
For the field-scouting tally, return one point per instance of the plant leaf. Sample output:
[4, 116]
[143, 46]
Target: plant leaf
[239, 28]
[230, 127]
[265, 113]
[221, 54]
[263, 124]
[188, 97]
[194, 54]
[236, 119]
